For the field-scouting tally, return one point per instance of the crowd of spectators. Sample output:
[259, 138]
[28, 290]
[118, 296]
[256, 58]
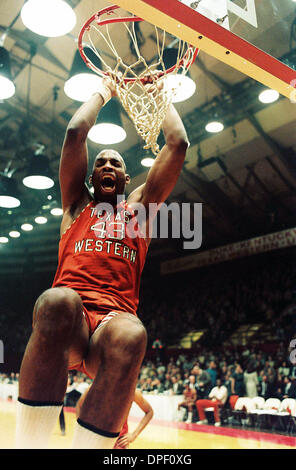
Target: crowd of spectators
[10, 379]
[246, 373]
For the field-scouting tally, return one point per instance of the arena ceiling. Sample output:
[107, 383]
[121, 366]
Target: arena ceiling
[244, 176]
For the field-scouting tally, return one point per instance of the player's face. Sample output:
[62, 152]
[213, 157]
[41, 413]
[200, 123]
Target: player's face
[109, 176]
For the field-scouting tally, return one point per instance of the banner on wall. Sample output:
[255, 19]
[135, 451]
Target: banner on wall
[253, 246]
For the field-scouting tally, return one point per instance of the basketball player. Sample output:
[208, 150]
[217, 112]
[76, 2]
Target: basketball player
[87, 320]
[125, 438]
[190, 396]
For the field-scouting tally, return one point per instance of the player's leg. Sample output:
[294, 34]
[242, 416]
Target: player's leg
[115, 356]
[62, 422]
[201, 405]
[59, 338]
[181, 411]
[216, 405]
[189, 416]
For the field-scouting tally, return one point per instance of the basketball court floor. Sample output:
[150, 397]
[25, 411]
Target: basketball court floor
[158, 435]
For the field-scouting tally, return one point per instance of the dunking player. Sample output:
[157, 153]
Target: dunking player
[125, 437]
[97, 280]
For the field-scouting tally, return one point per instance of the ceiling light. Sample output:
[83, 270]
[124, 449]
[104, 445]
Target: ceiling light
[49, 18]
[106, 133]
[214, 126]
[184, 87]
[82, 86]
[9, 202]
[4, 240]
[27, 227]
[7, 88]
[56, 211]
[269, 96]
[147, 162]
[8, 192]
[40, 220]
[54, 207]
[108, 128]
[82, 82]
[14, 234]
[39, 173]
[38, 182]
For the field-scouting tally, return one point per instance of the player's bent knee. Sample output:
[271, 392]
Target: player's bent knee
[135, 338]
[120, 345]
[59, 308]
[127, 335]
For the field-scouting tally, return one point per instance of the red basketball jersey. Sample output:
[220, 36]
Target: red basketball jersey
[101, 256]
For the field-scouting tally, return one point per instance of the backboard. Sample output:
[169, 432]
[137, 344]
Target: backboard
[257, 37]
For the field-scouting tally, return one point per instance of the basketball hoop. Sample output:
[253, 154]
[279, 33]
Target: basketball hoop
[146, 106]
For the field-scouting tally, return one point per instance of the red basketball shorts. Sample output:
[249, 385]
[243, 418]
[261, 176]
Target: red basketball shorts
[95, 320]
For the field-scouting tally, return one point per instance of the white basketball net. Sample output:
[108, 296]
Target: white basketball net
[146, 105]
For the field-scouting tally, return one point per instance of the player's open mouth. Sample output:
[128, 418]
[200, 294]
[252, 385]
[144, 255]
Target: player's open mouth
[108, 183]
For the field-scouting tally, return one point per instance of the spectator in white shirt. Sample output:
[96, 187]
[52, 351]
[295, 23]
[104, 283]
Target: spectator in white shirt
[216, 399]
[192, 382]
[284, 369]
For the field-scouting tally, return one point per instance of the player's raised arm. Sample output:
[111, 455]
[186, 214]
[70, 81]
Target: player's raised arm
[74, 157]
[167, 167]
